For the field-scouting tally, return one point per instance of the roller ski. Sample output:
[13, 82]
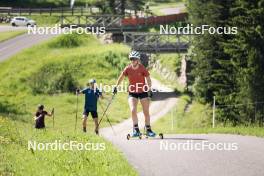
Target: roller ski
[136, 133]
[148, 133]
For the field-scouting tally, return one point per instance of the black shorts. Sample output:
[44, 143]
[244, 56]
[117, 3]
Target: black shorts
[93, 113]
[138, 95]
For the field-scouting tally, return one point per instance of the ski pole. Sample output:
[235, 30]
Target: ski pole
[53, 117]
[76, 116]
[107, 119]
[109, 103]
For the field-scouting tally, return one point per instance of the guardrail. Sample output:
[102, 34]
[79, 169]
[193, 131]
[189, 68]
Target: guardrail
[49, 11]
[157, 43]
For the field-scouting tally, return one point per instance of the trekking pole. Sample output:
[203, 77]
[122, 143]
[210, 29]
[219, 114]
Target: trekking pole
[107, 107]
[77, 102]
[107, 119]
[52, 117]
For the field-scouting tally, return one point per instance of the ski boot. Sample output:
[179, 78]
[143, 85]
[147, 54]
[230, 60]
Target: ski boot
[136, 133]
[96, 132]
[149, 132]
[84, 129]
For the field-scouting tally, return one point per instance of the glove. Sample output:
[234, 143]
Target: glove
[115, 90]
[150, 94]
[77, 91]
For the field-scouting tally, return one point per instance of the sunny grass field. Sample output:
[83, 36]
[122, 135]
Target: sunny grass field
[83, 58]
[84, 62]
[10, 34]
[16, 159]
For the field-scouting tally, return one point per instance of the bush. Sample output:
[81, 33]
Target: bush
[118, 61]
[6, 107]
[53, 78]
[67, 41]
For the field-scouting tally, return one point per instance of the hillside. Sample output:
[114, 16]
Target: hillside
[37, 75]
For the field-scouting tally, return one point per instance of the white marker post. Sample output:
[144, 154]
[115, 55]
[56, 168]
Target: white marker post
[214, 113]
[72, 4]
[172, 120]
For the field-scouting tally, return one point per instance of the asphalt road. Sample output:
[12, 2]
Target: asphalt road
[11, 47]
[235, 156]
[5, 28]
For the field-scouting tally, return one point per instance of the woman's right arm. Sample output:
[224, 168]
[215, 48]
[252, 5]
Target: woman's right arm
[120, 79]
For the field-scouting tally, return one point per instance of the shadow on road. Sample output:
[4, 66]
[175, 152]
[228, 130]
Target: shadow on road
[172, 138]
[187, 139]
[158, 96]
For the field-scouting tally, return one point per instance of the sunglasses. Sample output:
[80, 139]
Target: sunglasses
[133, 59]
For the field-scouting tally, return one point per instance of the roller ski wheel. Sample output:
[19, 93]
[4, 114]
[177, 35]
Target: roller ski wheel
[140, 136]
[128, 136]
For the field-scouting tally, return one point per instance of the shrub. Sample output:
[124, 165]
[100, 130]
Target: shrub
[53, 78]
[118, 61]
[67, 41]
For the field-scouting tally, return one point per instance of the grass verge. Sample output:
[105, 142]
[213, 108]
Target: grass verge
[10, 34]
[17, 158]
[191, 117]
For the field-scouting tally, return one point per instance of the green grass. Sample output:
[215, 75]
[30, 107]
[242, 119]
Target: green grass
[47, 20]
[89, 62]
[18, 103]
[195, 118]
[186, 114]
[10, 34]
[17, 159]
[172, 62]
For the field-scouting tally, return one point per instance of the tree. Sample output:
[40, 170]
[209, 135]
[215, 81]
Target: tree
[213, 69]
[230, 67]
[246, 51]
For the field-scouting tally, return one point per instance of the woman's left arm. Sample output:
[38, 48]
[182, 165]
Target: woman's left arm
[149, 82]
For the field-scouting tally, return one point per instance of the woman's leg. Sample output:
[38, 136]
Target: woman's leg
[84, 122]
[96, 124]
[145, 106]
[133, 109]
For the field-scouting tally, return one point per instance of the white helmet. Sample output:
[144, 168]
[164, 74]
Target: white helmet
[92, 81]
[134, 54]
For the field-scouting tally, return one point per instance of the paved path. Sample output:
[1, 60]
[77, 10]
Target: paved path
[150, 157]
[5, 28]
[173, 10]
[12, 46]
